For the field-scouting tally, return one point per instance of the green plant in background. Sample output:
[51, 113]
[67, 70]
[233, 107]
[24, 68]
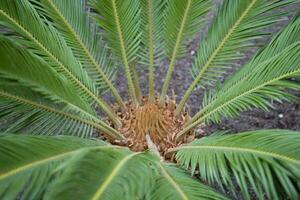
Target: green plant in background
[58, 58]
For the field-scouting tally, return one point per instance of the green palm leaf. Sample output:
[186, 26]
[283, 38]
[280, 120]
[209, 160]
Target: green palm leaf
[68, 168]
[35, 167]
[69, 17]
[25, 110]
[235, 27]
[40, 39]
[288, 36]
[258, 93]
[34, 72]
[107, 174]
[121, 21]
[27, 163]
[182, 21]
[262, 79]
[267, 161]
[175, 184]
[33, 96]
[43, 39]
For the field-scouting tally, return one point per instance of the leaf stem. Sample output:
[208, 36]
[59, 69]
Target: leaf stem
[136, 82]
[175, 52]
[124, 54]
[151, 50]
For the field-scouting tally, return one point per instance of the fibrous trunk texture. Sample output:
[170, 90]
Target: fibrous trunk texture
[158, 122]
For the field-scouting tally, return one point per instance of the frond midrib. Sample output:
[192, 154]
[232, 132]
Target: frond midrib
[151, 49]
[240, 149]
[173, 183]
[112, 175]
[88, 54]
[212, 57]
[175, 52]
[124, 53]
[49, 159]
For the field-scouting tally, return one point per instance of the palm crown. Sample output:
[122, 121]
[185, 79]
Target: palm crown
[58, 58]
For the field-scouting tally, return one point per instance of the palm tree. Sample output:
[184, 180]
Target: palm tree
[61, 140]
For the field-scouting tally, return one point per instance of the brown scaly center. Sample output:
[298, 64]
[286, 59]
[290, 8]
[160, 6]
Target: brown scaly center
[156, 122]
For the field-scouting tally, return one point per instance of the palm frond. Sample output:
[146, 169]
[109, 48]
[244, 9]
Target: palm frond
[121, 21]
[136, 81]
[233, 31]
[182, 21]
[279, 43]
[30, 30]
[25, 110]
[33, 72]
[261, 80]
[71, 168]
[70, 18]
[266, 161]
[28, 162]
[152, 38]
[24, 21]
[107, 174]
[175, 184]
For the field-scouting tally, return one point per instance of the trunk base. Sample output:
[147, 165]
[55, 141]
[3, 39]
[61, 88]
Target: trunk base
[151, 126]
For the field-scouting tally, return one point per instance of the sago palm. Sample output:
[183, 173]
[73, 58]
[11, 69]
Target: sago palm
[62, 140]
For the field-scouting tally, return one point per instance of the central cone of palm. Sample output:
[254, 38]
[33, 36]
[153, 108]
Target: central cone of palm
[157, 121]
